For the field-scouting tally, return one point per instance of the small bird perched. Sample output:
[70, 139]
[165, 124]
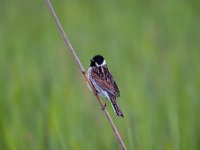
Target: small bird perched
[103, 82]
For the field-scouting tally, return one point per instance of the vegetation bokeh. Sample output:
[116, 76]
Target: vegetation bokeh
[152, 49]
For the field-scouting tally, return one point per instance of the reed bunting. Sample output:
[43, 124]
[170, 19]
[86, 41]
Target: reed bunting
[103, 82]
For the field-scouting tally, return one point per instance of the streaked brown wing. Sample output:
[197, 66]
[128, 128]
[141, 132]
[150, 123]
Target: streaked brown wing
[104, 79]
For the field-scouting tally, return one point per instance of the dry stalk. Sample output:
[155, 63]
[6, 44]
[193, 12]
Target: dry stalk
[69, 46]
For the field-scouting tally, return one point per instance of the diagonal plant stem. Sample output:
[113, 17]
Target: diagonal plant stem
[69, 46]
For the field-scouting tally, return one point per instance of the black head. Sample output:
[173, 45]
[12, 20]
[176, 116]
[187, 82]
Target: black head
[96, 60]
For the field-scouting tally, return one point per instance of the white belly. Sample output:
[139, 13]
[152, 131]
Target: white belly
[100, 91]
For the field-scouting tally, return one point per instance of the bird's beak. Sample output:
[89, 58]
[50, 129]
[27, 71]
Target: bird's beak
[91, 60]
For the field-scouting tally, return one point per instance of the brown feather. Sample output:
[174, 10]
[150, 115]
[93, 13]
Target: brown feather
[104, 79]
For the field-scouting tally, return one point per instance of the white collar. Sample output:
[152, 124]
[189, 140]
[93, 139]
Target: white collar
[103, 64]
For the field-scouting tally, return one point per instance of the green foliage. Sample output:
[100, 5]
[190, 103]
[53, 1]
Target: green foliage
[152, 49]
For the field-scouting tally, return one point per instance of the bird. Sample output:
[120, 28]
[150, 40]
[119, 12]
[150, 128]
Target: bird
[103, 82]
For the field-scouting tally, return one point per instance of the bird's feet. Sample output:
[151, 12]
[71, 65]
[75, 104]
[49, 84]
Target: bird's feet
[104, 106]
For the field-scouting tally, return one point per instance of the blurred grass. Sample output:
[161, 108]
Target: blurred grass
[152, 49]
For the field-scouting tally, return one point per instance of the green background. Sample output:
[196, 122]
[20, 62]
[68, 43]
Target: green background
[152, 49]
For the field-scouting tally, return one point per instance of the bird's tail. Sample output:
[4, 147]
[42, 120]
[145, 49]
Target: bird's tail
[115, 106]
